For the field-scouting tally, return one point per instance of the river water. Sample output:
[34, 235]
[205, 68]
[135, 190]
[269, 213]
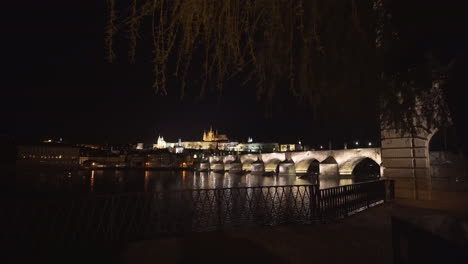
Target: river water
[139, 180]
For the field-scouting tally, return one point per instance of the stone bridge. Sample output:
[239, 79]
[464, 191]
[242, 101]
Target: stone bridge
[329, 161]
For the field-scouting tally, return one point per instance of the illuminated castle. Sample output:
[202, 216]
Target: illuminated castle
[212, 136]
[161, 143]
[212, 140]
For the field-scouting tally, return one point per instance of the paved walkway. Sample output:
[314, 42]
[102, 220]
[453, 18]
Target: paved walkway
[362, 238]
[368, 232]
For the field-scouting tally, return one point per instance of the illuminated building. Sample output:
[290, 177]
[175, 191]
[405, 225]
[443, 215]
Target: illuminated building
[214, 141]
[214, 136]
[288, 147]
[161, 144]
[48, 154]
[179, 148]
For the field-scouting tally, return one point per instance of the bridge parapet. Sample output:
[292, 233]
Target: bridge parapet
[344, 160]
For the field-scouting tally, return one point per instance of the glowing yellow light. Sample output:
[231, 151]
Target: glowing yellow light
[91, 182]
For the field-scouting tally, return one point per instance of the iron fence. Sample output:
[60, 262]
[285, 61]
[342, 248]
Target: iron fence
[341, 201]
[123, 217]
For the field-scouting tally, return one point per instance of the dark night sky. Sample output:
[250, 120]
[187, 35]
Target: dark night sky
[58, 84]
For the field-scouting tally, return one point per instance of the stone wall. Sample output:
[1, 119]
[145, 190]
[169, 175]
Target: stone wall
[405, 159]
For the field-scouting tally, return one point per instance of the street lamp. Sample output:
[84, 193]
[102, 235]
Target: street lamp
[370, 144]
[357, 143]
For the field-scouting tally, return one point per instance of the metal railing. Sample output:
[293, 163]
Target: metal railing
[124, 217]
[341, 201]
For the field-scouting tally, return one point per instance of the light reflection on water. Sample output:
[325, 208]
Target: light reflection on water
[119, 181]
[91, 181]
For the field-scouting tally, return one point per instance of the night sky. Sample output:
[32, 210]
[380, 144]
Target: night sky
[58, 84]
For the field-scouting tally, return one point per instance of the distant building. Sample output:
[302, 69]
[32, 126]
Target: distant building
[179, 148]
[214, 136]
[287, 147]
[101, 161]
[48, 154]
[256, 147]
[161, 144]
[214, 141]
[160, 160]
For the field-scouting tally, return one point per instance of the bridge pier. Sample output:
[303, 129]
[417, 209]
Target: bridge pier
[258, 166]
[204, 166]
[405, 159]
[287, 167]
[217, 165]
[235, 166]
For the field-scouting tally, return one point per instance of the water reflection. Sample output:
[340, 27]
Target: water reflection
[145, 187]
[91, 181]
[118, 181]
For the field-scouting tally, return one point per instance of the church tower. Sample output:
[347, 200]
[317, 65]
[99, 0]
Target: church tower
[161, 144]
[210, 136]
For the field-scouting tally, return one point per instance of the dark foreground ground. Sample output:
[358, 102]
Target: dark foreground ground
[362, 238]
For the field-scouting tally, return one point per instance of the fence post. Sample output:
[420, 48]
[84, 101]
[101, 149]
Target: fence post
[312, 203]
[315, 210]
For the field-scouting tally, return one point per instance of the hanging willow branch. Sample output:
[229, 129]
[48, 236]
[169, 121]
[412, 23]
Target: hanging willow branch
[133, 25]
[319, 50]
[234, 36]
[110, 30]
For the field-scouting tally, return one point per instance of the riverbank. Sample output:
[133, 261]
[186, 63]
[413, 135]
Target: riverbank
[362, 238]
[365, 237]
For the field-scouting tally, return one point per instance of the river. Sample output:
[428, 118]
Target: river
[139, 180]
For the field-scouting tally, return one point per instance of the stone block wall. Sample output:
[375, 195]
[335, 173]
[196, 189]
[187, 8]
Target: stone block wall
[405, 159]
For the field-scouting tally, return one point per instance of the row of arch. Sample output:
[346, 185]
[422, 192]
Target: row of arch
[329, 166]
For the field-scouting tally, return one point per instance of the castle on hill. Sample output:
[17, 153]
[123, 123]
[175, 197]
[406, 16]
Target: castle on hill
[212, 140]
[214, 136]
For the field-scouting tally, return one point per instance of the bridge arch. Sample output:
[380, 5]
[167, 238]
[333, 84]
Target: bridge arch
[247, 164]
[348, 166]
[366, 168]
[308, 165]
[272, 164]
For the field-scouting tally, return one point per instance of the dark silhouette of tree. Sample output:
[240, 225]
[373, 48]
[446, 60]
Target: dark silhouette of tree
[390, 57]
